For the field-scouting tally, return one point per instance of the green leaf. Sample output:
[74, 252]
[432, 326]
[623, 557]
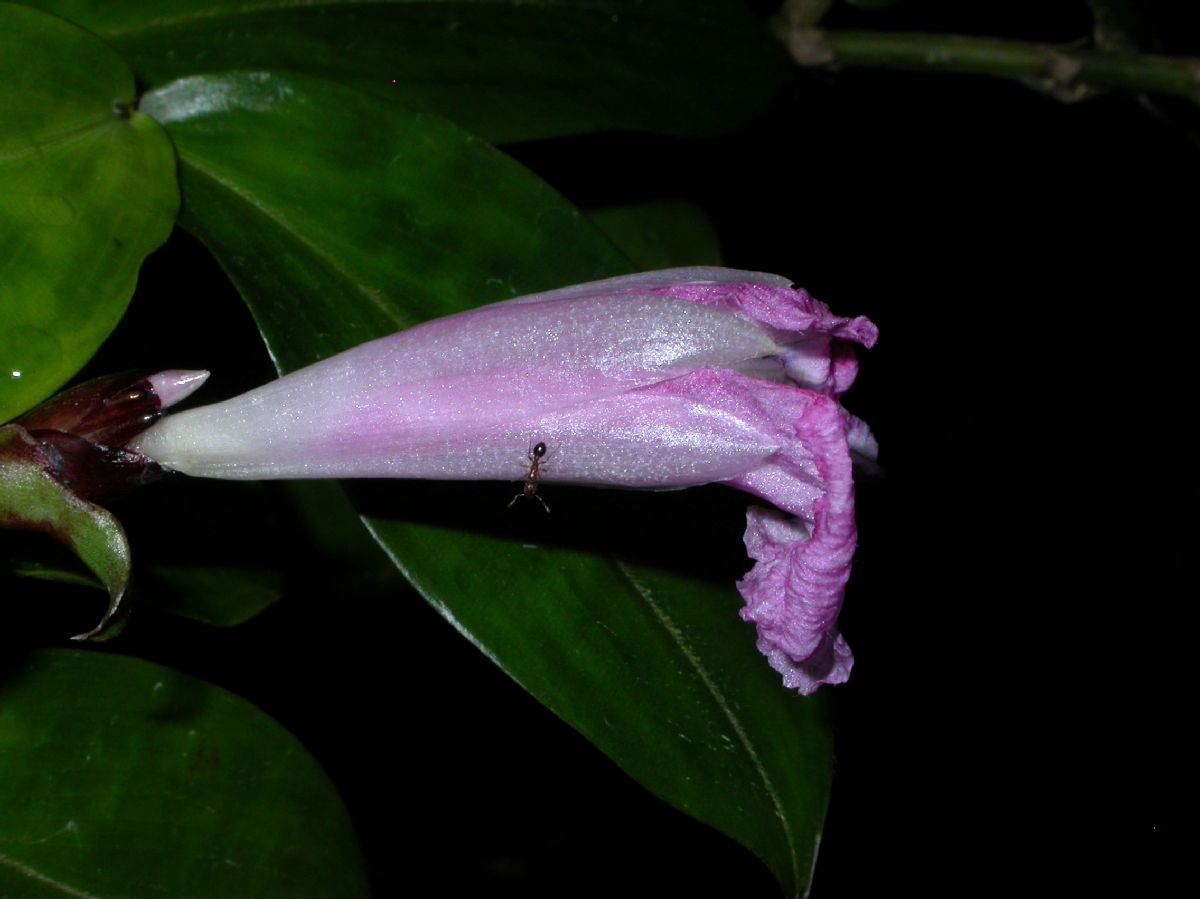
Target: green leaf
[39, 570]
[661, 235]
[374, 218]
[30, 499]
[221, 595]
[506, 69]
[87, 189]
[119, 777]
[653, 667]
[364, 235]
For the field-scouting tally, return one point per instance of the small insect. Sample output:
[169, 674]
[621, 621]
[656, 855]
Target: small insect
[536, 455]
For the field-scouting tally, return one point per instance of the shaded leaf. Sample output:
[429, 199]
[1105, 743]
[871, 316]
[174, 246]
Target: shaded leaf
[38, 570]
[661, 235]
[30, 499]
[221, 595]
[87, 189]
[119, 777]
[343, 552]
[221, 560]
[506, 69]
[368, 234]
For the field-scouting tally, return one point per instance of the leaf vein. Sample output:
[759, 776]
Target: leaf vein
[55, 140]
[33, 873]
[726, 709]
[275, 218]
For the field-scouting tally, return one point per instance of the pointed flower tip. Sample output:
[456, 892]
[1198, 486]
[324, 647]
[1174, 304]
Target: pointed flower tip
[176, 384]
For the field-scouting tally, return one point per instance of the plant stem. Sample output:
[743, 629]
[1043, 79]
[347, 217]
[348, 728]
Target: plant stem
[1067, 73]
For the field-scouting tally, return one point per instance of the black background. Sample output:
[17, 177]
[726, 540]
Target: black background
[1016, 718]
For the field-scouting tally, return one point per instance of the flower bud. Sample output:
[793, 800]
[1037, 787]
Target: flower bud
[81, 432]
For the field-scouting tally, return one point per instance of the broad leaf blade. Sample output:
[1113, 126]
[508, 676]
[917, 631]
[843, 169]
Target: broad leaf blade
[365, 235]
[654, 668]
[86, 191]
[119, 777]
[505, 69]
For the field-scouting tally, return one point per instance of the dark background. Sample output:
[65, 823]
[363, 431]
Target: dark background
[1016, 718]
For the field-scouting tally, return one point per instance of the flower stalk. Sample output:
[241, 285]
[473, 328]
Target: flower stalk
[1065, 72]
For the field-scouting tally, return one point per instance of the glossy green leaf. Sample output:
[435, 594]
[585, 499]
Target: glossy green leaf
[661, 235]
[32, 500]
[505, 69]
[653, 667]
[341, 217]
[87, 189]
[119, 777]
[372, 218]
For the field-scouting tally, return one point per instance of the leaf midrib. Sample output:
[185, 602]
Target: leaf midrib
[718, 697]
[675, 636]
[35, 874]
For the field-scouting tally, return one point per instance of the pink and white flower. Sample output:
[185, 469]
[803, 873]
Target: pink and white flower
[657, 380]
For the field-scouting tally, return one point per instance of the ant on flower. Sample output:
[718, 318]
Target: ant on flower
[536, 455]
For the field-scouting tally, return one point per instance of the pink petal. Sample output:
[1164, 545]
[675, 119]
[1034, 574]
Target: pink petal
[794, 592]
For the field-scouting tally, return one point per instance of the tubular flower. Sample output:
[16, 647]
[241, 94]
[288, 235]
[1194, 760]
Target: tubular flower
[657, 380]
